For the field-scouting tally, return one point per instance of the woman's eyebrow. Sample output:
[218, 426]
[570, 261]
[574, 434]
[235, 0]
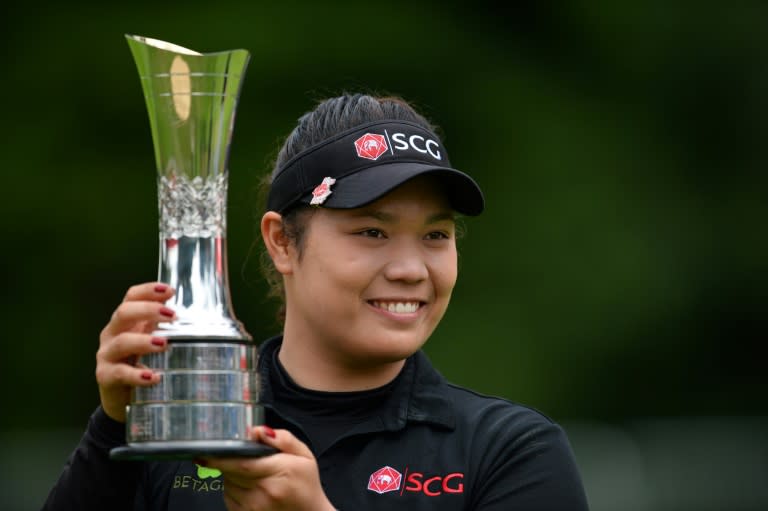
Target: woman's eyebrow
[375, 214]
[440, 217]
[392, 218]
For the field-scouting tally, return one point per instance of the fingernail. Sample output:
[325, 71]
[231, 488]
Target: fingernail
[161, 288]
[146, 375]
[158, 341]
[165, 311]
[269, 431]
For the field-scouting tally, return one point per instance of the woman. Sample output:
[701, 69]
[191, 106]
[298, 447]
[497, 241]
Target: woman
[361, 237]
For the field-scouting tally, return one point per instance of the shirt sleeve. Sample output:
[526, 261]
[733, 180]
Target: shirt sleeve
[531, 470]
[90, 480]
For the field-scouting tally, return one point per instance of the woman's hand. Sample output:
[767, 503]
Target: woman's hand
[126, 336]
[287, 480]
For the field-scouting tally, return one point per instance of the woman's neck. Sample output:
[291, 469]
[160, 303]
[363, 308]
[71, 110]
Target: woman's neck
[316, 369]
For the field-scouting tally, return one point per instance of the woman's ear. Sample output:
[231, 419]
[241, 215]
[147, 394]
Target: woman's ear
[277, 243]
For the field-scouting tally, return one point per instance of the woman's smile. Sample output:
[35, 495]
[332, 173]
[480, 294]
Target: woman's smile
[397, 306]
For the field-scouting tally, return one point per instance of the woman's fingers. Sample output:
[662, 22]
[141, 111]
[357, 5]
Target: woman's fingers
[281, 439]
[243, 470]
[153, 291]
[127, 337]
[289, 479]
[115, 360]
[128, 345]
[129, 314]
[126, 375]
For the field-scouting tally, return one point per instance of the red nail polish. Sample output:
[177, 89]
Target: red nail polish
[161, 288]
[165, 311]
[269, 431]
[146, 375]
[158, 341]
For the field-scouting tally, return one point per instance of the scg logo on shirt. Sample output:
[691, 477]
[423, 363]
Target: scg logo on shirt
[387, 479]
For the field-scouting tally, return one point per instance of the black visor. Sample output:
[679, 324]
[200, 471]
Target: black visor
[360, 165]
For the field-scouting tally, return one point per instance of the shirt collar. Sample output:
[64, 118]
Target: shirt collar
[418, 397]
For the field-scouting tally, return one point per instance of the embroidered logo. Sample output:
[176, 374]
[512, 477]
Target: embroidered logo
[205, 472]
[203, 479]
[429, 484]
[384, 480]
[322, 191]
[371, 146]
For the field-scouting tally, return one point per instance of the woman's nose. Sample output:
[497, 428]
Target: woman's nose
[406, 265]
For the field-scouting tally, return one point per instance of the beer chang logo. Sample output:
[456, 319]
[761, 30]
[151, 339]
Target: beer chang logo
[370, 146]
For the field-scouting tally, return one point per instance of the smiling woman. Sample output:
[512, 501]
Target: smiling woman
[360, 242]
[387, 271]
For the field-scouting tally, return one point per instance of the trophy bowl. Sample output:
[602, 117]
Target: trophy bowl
[207, 399]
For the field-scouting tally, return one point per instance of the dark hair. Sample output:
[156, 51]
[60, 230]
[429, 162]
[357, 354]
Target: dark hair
[330, 117]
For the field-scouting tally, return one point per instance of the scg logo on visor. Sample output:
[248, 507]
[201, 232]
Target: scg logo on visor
[372, 145]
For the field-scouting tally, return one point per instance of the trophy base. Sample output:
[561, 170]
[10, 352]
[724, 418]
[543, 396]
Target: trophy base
[158, 451]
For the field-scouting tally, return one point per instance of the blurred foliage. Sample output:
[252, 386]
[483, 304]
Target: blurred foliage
[620, 269]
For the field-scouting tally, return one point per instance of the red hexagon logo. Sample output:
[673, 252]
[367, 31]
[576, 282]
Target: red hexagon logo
[371, 146]
[385, 479]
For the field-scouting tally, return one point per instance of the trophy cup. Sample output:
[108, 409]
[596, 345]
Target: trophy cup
[207, 399]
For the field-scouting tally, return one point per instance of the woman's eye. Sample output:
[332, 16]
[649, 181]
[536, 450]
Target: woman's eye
[371, 233]
[437, 235]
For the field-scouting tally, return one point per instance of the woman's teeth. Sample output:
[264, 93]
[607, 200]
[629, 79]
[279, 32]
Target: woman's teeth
[397, 307]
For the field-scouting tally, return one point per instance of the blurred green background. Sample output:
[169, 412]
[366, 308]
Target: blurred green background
[617, 280]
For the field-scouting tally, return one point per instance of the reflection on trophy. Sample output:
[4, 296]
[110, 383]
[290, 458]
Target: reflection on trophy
[207, 398]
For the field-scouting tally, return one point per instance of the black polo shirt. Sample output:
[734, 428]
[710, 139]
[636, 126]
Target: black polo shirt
[425, 445]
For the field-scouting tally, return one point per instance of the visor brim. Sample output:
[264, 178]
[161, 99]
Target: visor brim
[367, 185]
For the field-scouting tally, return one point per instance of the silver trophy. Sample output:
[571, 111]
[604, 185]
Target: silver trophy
[207, 398]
